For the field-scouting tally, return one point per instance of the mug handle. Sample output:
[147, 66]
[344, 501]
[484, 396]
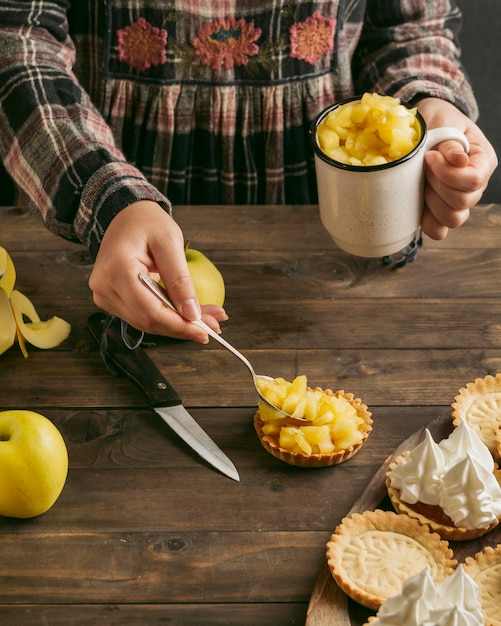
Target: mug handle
[444, 133]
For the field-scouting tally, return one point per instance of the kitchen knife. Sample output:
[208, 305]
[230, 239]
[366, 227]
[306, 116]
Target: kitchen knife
[137, 366]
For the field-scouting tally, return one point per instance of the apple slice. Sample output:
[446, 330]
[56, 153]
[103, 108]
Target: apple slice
[7, 322]
[7, 271]
[44, 335]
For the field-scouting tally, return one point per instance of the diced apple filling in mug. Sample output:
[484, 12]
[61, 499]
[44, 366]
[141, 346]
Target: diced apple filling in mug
[371, 131]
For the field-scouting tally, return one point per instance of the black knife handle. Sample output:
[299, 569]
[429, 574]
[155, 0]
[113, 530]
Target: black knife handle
[135, 364]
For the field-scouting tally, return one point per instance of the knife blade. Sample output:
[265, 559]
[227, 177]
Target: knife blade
[137, 366]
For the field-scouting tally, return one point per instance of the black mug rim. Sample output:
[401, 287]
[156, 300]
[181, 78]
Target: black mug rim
[361, 168]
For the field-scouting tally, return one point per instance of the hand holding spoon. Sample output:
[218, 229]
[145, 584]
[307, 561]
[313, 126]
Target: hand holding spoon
[161, 293]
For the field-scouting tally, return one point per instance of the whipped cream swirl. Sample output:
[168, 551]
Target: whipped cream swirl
[455, 474]
[451, 603]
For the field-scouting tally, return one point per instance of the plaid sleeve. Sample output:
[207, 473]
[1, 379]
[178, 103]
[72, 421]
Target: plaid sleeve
[410, 48]
[53, 142]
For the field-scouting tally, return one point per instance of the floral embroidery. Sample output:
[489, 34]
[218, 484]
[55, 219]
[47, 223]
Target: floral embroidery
[313, 38]
[142, 45]
[225, 43]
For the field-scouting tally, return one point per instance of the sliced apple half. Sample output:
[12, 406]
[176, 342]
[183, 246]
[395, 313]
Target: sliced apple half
[7, 322]
[44, 335]
[7, 271]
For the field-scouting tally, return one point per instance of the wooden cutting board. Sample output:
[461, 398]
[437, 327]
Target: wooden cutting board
[329, 605]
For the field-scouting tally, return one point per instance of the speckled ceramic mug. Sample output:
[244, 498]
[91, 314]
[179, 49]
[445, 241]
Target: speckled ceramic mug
[375, 211]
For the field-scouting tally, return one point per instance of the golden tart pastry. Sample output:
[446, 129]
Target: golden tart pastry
[433, 515]
[336, 424]
[485, 569]
[479, 404]
[370, 555]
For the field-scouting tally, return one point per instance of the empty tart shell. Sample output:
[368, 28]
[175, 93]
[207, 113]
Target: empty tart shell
[434, 516]
[479, 405]
[302, 459]
[371, 554]
[485, 569]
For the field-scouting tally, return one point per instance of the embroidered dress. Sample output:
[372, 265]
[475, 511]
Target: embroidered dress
[194, 102]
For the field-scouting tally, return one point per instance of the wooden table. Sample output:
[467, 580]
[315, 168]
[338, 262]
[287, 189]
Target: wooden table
[144, 532]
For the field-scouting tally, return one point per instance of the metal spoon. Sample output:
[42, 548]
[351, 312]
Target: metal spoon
[161, 293]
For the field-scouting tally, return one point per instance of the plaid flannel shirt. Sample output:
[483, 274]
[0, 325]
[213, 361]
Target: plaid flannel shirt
[106, 102]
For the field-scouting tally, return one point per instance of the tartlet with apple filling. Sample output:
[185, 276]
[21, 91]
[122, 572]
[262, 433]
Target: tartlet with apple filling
[336, 423]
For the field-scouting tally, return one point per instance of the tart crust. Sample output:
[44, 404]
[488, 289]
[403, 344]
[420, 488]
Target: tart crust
[485, 569]
[271, 443]
[446, 531]
[371, 554]
[479, 404]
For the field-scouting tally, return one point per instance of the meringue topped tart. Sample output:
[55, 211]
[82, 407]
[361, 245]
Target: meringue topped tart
[453, 602]
[453, 486]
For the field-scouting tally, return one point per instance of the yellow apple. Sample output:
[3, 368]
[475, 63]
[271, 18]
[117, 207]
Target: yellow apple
[207, 279]
[33, 463]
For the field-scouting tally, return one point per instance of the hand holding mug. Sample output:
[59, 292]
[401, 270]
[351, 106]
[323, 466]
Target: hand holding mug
[374, 208]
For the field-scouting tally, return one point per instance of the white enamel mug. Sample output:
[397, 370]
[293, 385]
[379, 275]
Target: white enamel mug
[375, 211]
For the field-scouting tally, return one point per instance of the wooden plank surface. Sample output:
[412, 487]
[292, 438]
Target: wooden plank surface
[381, 377]
[144, 532]
[196, 614]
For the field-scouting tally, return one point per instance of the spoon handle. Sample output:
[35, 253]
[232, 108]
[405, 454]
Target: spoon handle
[161, 293]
